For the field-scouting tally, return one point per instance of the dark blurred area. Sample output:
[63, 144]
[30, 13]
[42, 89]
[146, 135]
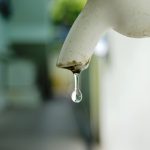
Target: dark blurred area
[36, 111]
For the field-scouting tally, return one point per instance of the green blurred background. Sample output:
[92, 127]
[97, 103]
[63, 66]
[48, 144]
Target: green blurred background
[35, 105]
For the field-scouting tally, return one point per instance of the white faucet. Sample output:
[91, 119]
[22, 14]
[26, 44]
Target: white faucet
[130, 18]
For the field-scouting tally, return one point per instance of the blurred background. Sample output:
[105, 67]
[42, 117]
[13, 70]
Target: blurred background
[36, 111]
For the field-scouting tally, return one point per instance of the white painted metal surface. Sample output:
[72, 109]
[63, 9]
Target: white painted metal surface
[131, 18]
[125, 95]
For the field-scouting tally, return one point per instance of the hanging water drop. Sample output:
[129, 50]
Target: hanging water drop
[76, 68]
[76, 95]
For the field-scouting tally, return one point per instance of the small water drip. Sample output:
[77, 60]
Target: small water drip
[76, 95]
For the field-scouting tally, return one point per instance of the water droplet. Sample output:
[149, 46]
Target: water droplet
[76, 95]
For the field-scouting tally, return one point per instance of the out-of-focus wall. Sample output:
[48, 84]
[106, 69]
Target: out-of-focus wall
[22, 90]
[125, 94]
[3, 34]
[30, 21]
[4, 42]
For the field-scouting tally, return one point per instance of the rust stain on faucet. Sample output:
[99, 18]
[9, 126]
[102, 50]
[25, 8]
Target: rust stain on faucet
[74, 66]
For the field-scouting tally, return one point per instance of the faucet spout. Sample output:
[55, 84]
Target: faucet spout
[97, 16]
[83, 36]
